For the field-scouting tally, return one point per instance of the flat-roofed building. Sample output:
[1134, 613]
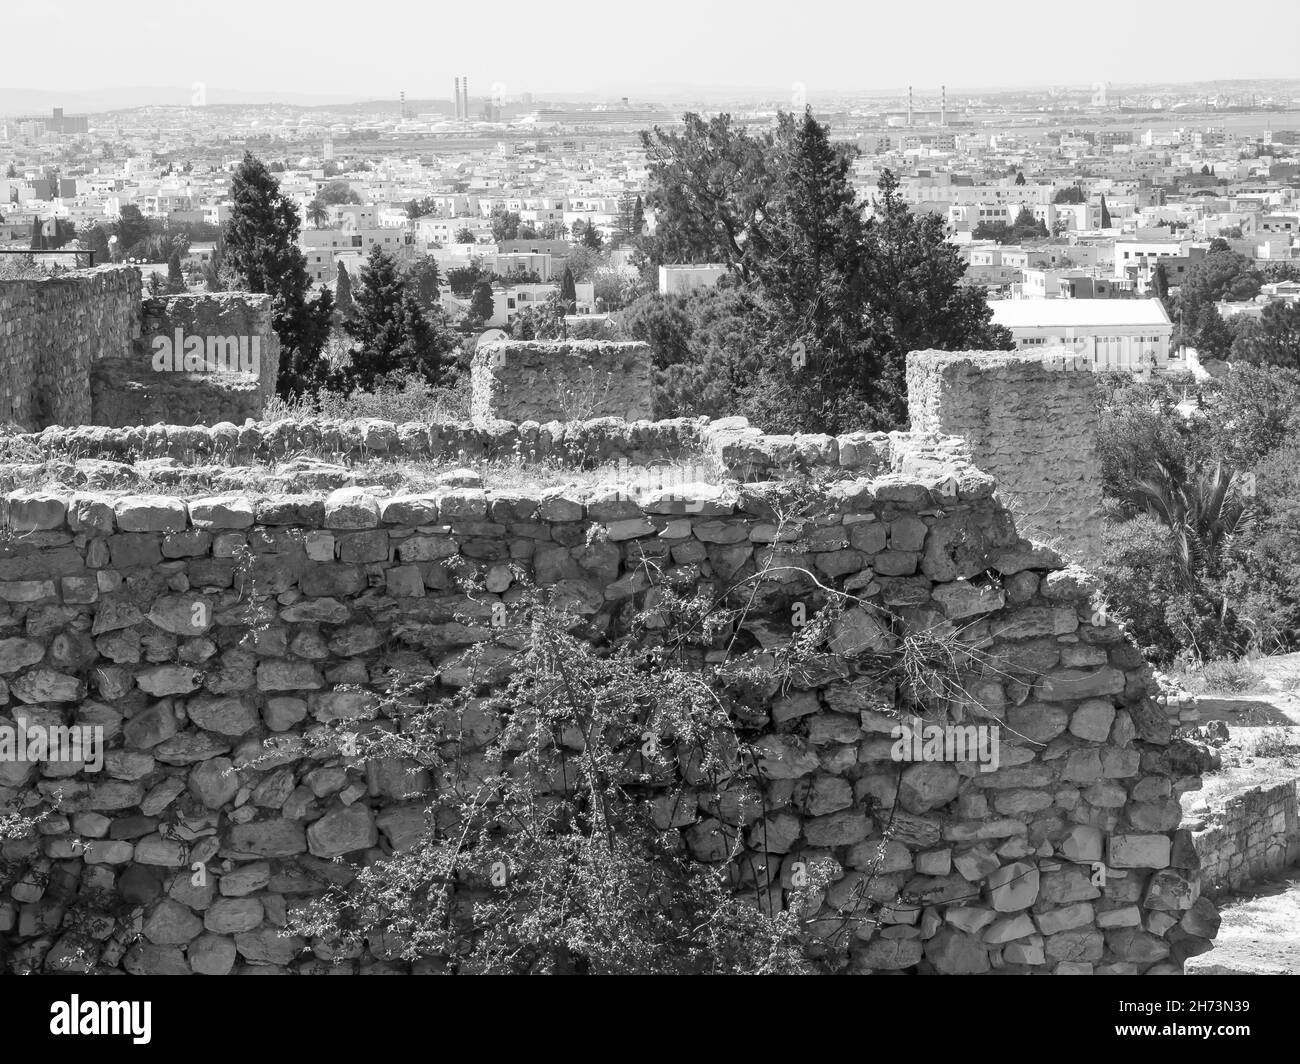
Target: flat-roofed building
[1107, 333]
[680, 280]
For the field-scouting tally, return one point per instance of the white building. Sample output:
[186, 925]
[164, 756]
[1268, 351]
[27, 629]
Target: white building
[684, 279]
[1109, 333]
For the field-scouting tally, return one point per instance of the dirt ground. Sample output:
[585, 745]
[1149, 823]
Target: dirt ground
[1274, 701]
[1260, 934]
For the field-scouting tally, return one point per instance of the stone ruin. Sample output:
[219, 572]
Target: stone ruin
[84, 348]
[535, 380]
[124, 612]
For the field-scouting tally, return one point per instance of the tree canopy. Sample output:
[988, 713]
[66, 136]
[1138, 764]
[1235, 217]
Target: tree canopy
[260, 245]
[833, 299]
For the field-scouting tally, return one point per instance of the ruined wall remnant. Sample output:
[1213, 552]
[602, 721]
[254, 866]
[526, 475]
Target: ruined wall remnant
[52, 331]
[1252, 835]
[199, 360]
[526, 380]
[131, 614]
[1031, 424]
[77, 349]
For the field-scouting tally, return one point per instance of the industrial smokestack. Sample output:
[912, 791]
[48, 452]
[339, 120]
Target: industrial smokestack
[943, 105]
[909, 105]
[456, 95]
[464, 87]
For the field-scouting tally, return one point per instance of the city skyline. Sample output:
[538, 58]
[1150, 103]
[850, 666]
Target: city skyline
[235, 44]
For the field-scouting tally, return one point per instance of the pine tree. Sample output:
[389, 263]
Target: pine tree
[1213, 335]
[343, 292]
[591, 237]
[389, 328]
[1105, 214]
[261, 242]
[638, 217]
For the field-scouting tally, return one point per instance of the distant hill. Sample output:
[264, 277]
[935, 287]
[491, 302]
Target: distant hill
[39, 101]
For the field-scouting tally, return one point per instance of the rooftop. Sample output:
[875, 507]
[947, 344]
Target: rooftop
[1078, 313]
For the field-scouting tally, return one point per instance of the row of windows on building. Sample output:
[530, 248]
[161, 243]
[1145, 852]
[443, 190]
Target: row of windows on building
[1038, 341]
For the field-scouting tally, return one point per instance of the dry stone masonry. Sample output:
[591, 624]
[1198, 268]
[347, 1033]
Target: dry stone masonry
[52, 331]
[1029, 421]
[77, 349]
[738, 449]
[211, 331]
[131, 613]
[1254, 835]
[526, 380]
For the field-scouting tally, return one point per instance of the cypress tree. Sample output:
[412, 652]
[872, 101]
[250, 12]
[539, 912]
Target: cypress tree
[175, 278]
[261, 246]
[343, 292]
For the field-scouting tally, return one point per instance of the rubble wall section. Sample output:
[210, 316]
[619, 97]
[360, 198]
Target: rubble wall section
[132, 614]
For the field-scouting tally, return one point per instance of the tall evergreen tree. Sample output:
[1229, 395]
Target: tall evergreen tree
[261, 241]
[389, 328]
[915, 297]
[175, 277]
[1105, 214]
[591, 237]
[1213, 335]
[780, 211]
[481, 305]
[638, 217]
[425, 281]
[343, 291]
[568, 288]
[1160, 284]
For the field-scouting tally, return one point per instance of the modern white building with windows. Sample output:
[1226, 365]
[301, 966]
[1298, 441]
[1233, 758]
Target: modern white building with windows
[1109, 333]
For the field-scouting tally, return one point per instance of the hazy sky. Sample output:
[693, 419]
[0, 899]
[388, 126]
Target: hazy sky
[373, 50]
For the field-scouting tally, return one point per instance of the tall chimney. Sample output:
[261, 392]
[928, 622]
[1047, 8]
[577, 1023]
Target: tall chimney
[464, 87]
[909, 105]
[943, 105]
[456, 95]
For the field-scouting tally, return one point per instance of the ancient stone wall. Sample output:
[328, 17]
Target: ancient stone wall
[1255, 834]
[53, 331]
[729, 446]
[525, 380]
[199, 360]
[1031, 422]
[132, 614]
[77, 349]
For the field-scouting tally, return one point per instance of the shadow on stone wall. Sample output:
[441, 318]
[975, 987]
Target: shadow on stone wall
[84, 348]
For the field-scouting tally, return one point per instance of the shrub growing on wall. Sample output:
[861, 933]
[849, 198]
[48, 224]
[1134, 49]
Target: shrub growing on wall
[565, 767]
